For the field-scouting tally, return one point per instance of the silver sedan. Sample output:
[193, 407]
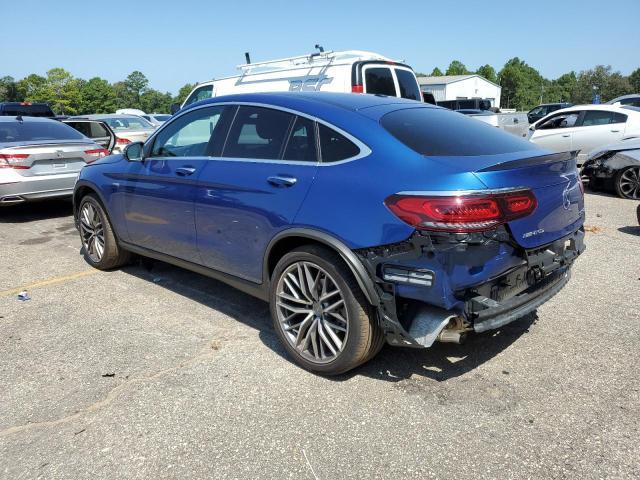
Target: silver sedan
[41, 158]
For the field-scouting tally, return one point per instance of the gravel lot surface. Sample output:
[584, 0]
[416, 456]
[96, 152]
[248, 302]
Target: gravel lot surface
[155, 372]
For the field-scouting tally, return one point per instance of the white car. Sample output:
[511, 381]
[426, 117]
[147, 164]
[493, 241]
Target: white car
[585, 127]
[127, 128]
[351, 71]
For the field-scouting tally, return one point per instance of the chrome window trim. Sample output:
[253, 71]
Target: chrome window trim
[365, 151]
[460, 193]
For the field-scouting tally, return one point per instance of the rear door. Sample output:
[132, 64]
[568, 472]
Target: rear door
[254, 188]
[597, 128]
[96, 130]
[158, 193]
[393, 81]
[556, 132]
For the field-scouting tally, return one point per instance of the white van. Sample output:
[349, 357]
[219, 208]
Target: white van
[348, 71]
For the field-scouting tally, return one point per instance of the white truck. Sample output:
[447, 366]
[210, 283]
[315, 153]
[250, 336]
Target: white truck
[351, 71]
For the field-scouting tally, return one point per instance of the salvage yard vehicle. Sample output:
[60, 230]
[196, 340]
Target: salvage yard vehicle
[40, 158]
[545, 109]
[127, 128]
[26, 109]
[615, 167]
[360, 218]
[352, 71]
[585, 128]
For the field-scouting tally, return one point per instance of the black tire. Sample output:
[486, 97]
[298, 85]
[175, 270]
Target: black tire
[364, 338]
[112, 256]
[623, 175]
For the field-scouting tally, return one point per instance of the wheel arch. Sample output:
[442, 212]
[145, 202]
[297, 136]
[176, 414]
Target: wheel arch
[295, 237]
[84, 188]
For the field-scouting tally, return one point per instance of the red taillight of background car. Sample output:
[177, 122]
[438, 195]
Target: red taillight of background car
[462, 213]
[122, 141]
[357, 89]
[95, 154]
[14, 160]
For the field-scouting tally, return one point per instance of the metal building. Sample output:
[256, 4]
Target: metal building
[459, 87]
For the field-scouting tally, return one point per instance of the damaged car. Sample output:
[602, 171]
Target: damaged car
[361, 219]
[615, 168]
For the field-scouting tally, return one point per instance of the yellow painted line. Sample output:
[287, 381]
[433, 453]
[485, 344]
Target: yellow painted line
[49, 281]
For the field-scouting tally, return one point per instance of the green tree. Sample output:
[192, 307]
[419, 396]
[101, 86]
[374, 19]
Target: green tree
[153, 101]
[136, 84]
[607, 83]
[456, 68]
[61, 91]
[634, 80]
[522, 85]
[31, 87]
[98, 96]
[562, 89]
[436, 72]
[183, 92]
[488, 72]
[8, 89]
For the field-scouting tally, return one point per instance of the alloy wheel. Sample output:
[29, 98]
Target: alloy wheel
[92, 232]
[629, 183]
[312, 312]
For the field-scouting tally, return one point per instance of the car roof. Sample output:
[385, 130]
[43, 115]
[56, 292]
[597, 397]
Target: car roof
[98, 116]
[610, 108]
[27, 119]
[314, 100]
[623, 97]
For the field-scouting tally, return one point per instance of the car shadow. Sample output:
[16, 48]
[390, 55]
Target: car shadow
[36, 211]
[441, 362]
[631, 230]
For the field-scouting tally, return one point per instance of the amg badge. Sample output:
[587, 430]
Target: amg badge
[533, 233]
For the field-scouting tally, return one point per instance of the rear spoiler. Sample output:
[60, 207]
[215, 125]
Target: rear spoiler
[531, 161]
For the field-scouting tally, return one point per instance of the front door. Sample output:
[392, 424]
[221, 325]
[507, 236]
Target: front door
[556, 132]
[96, 130]
[254, 189]
[158, 193]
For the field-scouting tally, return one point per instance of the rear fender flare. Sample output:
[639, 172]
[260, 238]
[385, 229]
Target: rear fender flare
[355, 265]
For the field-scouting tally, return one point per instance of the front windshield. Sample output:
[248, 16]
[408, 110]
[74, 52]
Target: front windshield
[128, 123]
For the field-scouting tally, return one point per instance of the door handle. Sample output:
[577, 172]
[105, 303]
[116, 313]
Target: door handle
[185, 171]
[282, 181]
[566, 136]
[615, 131]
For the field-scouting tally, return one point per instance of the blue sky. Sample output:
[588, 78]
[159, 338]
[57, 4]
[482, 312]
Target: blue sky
[175, 42]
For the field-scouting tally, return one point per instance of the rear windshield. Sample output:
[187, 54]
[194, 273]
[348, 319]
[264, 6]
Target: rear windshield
[34, 131]
[439, 132]
[408, 85]
[127, 123]
[379, 81]
[12, 110]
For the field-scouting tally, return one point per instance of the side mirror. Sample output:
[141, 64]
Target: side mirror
[174, 108]
[134, 152]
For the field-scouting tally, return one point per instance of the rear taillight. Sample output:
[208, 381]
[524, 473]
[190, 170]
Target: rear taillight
[464, 213]
[14, 160]
[122, 141]
[95, 154]
[357, 89]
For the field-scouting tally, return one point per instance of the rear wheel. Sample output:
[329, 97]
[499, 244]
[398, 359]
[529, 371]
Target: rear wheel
[320, 313]
[99, 245]
[628, 183]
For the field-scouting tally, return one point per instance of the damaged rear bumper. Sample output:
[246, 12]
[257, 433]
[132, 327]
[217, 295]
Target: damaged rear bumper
[542, 273]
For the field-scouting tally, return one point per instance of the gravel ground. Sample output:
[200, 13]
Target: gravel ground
[155, 372]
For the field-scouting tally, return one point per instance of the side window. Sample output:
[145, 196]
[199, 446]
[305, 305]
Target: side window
[408, 85]
[201, 93]
[537, 111]
[563, 120]
[98, 131]
[597, 117]
[82, 127]
[619, 118]
[258, 133]
[379, 81]
[301, 145]
[188, 135]
[334, 146]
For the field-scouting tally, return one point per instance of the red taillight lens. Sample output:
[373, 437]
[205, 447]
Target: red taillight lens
[13, 160]
[357, 89]
[96, 153]
[473, 213]
[122, 141]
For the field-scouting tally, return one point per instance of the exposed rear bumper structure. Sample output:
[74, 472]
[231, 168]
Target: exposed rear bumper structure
[490, 305]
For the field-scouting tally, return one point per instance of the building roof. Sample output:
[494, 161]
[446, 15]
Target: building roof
[445, 79]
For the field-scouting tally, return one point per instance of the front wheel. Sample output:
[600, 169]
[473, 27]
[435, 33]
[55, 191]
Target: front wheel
[99, 245]
[628, 183]
[320, 313]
